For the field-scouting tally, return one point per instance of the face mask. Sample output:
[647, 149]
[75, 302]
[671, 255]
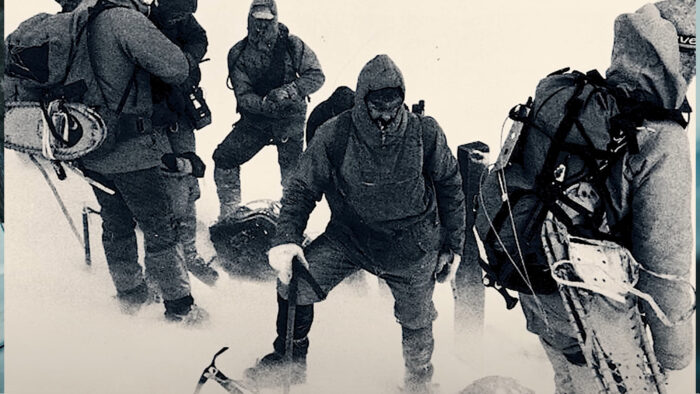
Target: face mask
[383, 113]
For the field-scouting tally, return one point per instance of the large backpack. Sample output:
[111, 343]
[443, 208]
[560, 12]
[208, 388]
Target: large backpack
[566, 141]
[49, 82]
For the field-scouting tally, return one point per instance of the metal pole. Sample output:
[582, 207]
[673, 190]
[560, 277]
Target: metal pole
[86, 235]
[291, 314]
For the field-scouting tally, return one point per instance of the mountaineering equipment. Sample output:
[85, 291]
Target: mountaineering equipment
[554, 144]
[596, 282]
[212, 372]
[547, 221]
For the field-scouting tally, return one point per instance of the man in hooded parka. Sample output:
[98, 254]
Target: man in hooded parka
[391, 182]
[125, 49]
[272, 72]
[652, 59]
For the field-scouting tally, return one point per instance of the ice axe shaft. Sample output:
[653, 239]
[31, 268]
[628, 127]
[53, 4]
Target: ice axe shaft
[291, 314]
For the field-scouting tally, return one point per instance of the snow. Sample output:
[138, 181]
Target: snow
[470, 61]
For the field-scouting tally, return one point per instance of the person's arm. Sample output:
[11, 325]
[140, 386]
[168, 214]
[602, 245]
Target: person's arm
[246, 98]
[148, 47]
[442, 168]
[661, 239]
[306, 64]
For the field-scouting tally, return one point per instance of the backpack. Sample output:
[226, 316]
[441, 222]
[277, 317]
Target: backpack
[242, 240]
[564, 143]
[47, 63]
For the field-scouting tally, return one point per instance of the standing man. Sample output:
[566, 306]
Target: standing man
[272, 73]
[391, 182]
[653, 61]
[175, 19]
[123, 60]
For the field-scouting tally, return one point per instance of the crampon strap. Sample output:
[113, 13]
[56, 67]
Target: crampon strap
[607, 268]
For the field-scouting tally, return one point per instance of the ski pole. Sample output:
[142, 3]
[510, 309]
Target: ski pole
[86, 235]
[291, 312]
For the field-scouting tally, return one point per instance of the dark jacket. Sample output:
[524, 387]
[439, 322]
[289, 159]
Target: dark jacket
[168, 100]
[342, 99]
[123, 44]
[249, 67]
[388, 187]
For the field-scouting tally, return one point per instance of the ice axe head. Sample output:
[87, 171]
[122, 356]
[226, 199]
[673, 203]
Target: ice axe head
[210, 371]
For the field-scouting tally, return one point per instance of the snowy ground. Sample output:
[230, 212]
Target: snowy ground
[470, 62]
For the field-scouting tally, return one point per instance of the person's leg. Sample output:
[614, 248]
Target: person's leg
[119, 243]
[547, 317]
[412, 286]
[289, 150]
[239, 146]
[184, 191]
[144, 192]
[328, 265]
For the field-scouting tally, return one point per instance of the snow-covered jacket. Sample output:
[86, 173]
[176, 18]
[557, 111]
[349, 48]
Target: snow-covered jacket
[395, 186]
[124, 43]
[653, 187]
[250, 72]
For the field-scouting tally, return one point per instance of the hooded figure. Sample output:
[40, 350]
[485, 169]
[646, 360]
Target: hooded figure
[652, 62]
[123, 61]
[175, 19]
[391, 183]
[272, 73]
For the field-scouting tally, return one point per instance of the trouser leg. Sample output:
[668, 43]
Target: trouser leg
[144, 192]
[239, 146]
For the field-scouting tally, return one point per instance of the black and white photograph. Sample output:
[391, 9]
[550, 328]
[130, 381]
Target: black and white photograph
[306, 196]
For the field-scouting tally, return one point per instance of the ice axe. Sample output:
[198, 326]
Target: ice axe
[212, 372]
[298, 272]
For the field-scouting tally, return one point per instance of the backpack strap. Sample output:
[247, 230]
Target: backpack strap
[93, 13]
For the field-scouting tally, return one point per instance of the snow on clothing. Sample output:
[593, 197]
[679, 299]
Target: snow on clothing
[123, 42]
[399, 197]
[254, 73]
[652, 188]
[385, 179]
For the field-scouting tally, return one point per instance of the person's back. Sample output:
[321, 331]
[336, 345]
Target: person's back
[649, 199]
[143, 50]
[125, 50]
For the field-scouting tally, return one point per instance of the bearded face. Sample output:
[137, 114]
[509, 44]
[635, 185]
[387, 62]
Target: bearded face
[262, 32]
[383, 106]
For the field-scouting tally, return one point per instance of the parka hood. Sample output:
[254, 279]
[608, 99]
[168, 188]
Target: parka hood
[378, 73]
[264, 39]
[646, 60]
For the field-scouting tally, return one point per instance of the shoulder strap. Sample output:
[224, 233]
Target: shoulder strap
[229, 83]
[93, 13]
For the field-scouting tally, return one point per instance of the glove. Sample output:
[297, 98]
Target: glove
[280, 258]
[284, 93]
[186, 163]
[447, 265]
